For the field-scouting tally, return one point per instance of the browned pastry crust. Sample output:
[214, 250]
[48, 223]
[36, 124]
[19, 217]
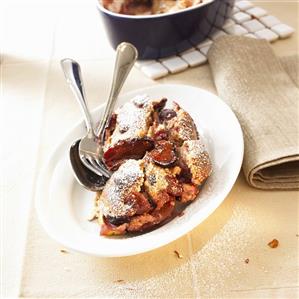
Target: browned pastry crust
[181, 127]
[143, 192]
[148, 221]
[115, 198]
[194, 154]
[160, 183]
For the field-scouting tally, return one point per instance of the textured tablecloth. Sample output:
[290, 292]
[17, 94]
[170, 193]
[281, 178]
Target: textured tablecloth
[214, 254]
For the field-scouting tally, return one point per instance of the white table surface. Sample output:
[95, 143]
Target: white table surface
[35, 34]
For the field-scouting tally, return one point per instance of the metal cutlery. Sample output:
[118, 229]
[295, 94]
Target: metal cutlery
[89, 150]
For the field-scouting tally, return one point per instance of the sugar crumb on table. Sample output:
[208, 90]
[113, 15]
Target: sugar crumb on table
[274, 243]
[119, 280]
[178, 254]
[62, 250]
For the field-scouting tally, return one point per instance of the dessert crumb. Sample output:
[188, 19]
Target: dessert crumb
[119, 280]
[273, 244]
[92, 217]
[178, 254]
[63, 251]
[246, 261]
[297, 235]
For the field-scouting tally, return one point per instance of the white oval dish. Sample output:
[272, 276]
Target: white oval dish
[63, 206]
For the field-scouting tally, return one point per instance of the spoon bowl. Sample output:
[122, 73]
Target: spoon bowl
[84, 176]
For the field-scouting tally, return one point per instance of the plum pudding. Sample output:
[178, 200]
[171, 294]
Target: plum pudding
[149, 7]
[158, 161]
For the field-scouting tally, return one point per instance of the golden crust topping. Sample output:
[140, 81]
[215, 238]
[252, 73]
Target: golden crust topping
[133, 120]
[127, 180]
[155, 178]
[182, 126]
[196, 157]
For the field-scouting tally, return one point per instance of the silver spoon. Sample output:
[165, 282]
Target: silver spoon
[89, 145]
[125, 59]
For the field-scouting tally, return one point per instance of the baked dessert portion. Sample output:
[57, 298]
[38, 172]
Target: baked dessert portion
[144, 7]
[126, 136]
[149, 181]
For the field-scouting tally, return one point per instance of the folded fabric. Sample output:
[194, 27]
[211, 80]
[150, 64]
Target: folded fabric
[256, 85]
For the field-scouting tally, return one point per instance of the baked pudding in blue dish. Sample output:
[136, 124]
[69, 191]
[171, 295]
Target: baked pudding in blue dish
[161, 28]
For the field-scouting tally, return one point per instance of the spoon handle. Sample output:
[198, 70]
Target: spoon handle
[126, 55]
[72, 72]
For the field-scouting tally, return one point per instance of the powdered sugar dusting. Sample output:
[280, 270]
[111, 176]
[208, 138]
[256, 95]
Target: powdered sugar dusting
[198, 153]
[127, 179]
[141, 100]
[223, 255]
[133, 119]
[196, 157]
[182, 126]
[208, 269]
[195, 147]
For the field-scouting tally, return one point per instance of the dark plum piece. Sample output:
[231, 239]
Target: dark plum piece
[185, 175]
[110, 127]
[166, 114]
[160, 105]
[109, 229]
[115, 221]
[126, 149]
[163, 154]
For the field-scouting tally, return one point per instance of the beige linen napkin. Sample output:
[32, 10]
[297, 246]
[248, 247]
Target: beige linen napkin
[253, 82]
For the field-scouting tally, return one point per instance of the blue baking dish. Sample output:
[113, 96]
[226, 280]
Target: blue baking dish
[161, 35]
